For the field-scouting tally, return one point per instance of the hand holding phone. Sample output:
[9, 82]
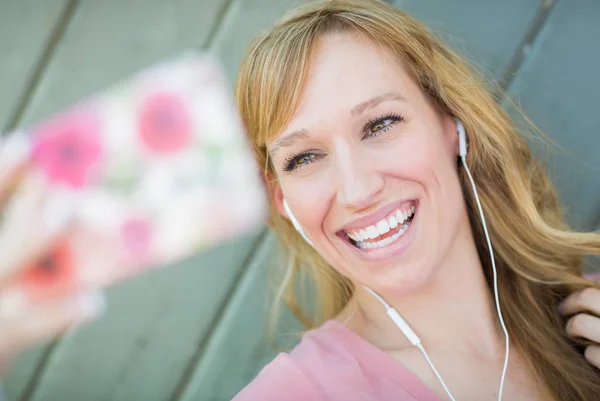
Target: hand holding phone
[25, 236]
[150, 172]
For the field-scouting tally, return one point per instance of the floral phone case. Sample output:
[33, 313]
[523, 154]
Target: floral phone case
[158, 167]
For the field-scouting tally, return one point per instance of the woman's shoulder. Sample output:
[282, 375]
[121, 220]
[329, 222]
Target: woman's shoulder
[334, 363]
[300, 374]
[282, 379]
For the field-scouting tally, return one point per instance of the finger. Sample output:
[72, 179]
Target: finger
[587, 299]
[45, 322]
[14, 155]
[592, 354]
[584, 326]
[33, 223]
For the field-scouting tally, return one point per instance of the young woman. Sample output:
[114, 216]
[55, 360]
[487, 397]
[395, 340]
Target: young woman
[355, 112]
[353, 109]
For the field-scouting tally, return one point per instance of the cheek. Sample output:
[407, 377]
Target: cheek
[419, 159]
[428, 166]
[308, 199]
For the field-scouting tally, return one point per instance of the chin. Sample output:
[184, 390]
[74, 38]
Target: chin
[404, 279]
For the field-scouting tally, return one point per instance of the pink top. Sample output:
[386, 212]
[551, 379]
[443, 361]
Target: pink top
[334, 363]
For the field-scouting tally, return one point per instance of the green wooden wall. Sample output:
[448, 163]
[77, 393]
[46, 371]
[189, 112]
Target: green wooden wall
[195, 331]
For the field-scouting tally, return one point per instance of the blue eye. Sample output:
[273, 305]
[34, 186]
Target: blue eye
[295, 162]
[380, 125]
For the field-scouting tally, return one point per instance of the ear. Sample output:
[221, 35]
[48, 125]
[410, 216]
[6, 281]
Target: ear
[451, 134]
[277, 197]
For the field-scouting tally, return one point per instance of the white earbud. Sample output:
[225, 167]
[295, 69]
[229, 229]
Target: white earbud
[462, 138]
[393, 313]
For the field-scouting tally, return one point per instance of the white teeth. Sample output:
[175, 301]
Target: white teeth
[383, 227]
[400, 217]
[372, 232]
[384, 242]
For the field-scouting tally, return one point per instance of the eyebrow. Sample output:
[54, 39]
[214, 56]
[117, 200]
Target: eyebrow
[293, 137]
[369, 104]
[288, 140]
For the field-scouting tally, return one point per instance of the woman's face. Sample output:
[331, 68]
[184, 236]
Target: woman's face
[368, 166]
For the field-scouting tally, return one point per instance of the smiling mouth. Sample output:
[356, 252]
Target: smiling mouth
[385, 232]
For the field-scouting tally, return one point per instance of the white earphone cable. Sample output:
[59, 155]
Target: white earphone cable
[495, 273]
[412, 337]
[422, 349]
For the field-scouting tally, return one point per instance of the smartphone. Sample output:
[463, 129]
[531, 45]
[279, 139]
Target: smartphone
[156, 168]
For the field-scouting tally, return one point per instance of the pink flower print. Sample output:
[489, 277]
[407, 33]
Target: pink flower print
[69, 148]
[164, 122]
[136, 234]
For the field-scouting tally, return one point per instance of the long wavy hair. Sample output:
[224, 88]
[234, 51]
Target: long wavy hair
[539, 258]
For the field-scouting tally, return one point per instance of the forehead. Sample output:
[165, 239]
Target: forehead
[348, 69]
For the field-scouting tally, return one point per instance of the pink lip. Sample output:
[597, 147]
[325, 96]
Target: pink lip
[376, 216]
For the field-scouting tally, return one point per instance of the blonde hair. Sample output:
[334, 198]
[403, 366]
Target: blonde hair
[539, 259]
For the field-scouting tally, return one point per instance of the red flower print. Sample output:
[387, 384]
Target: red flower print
[164, 123]
[69, 148]
[136, 234]
[52, 275]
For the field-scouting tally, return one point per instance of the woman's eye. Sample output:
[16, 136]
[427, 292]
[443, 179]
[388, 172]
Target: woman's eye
[381, 125]
[299, 161]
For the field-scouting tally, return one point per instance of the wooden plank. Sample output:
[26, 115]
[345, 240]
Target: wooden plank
[25, 27]
[104, 42]
[239, 347]
[140, 350]
[107, 41]
[245, 20]
[17, 379]
[558, 87]
[488, 31]
[26, 31]
[238, 350]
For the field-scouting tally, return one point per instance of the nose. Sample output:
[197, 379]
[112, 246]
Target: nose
[358, 181]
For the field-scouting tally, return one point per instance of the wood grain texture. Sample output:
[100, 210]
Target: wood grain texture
[106, 41]
[488, 31]
[25, 29]
[244, 22]
[140, 349]
[240, 345]
[558, 87]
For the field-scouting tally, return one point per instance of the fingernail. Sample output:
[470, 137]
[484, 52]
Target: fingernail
[561, 308]
[91, 305]
[592, 276]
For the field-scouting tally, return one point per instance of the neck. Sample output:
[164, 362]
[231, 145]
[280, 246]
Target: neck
[456, 311]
